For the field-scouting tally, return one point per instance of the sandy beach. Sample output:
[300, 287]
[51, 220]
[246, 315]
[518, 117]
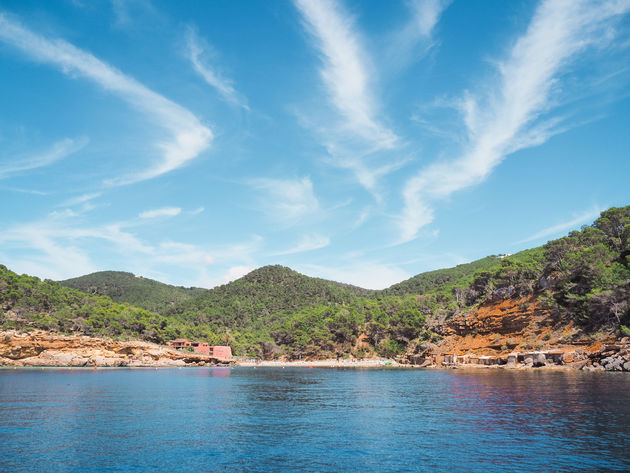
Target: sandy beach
[382, 363]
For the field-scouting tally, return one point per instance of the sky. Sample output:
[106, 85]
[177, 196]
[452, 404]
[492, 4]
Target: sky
[358, 141]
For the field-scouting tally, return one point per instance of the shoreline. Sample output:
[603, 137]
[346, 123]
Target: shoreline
[324, 364]
[41, 349]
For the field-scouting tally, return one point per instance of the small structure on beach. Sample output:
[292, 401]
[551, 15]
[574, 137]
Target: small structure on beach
[221, 351]
[217, 351]
[179, 343]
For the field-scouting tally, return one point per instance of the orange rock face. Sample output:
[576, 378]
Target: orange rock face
[500, 327]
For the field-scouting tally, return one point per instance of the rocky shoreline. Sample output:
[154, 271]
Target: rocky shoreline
[45, 349]
[609, 357]
[39, 348]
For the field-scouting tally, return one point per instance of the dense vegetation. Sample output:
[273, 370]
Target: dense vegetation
[28, 303]
[444, 279]
[275, 310]
[583, 277]
[271, 311]
[125, 287]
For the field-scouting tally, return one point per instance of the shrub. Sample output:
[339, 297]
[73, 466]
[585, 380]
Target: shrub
[390, 348]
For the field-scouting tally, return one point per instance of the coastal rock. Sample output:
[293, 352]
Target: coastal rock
[39, 348]
[539, 359]
[613, 364]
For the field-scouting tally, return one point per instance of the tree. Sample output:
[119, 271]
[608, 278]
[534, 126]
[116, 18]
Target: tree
[615, 223]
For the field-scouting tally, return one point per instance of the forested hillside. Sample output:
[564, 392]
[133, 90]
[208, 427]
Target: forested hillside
[277, 310]
[271, 311]
[125, 287]
[444, 279]
[584, 278]
[28, 303]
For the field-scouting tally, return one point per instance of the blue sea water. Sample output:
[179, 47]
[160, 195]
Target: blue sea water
[313, 420]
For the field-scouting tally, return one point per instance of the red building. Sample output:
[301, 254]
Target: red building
[179, 343]
[217, 351]
[202, 347]
[221, 352]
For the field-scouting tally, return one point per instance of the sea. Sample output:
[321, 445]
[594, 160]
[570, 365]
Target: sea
[273, 419]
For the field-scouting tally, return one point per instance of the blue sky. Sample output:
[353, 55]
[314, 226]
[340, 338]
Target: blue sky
[363, 141]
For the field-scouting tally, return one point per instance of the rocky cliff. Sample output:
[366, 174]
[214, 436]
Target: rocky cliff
[41, 348]
[521, 332]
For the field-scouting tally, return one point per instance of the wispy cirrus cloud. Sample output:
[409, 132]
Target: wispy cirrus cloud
[80, 199]
[416, 37]
[287, 200]
[162, 212]
[516, 114]
[23, 191]
[306, 243]
[126, 12]
[358, 139]
[59, 246]
[196, 48]
[189, 137]
[585, 217]
[345, 70]
[59, 150]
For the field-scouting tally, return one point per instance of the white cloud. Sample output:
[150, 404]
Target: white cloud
[59, 150]
[243, 252]
[23, 191]
[57, 247]
[368, 275]
[306, 243]
[287, 200]
[163, 212]
[366, 174]
[586, 217]
[81, 199]
[345, 72]
[189, 136]
[424, 16]
[233, 273]
[195, 49]
[509, 119]
[126, 12]
[363, 217]
[183, 254]
[121, 12]
[52, 259]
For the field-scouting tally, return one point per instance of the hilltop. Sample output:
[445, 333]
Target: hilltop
[27, 303]
[142, 292]
[444, 279]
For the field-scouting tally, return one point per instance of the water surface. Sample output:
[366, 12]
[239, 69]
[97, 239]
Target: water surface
[300, 419]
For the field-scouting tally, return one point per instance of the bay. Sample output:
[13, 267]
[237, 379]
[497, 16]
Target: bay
[312, 420]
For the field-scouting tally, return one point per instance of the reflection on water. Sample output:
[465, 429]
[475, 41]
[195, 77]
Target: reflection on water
[295, 419]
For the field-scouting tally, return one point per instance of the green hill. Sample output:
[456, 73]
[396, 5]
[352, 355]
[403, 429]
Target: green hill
[27, 303]
[271, 309]
[441, 278]
[262, 292]
[125, 287]
[584, 278]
